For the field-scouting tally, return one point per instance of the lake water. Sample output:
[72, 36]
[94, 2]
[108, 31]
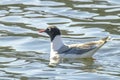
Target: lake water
[24, 53]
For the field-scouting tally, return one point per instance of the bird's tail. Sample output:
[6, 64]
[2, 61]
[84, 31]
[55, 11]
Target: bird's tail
[102, 41]
[106, 39]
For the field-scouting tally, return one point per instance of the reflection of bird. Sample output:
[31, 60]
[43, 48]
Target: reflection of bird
[60, 50]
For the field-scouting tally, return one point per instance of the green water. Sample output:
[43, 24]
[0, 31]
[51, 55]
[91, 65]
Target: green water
[24, 53]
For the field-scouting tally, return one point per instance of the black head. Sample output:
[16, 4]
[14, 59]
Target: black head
[52, 31]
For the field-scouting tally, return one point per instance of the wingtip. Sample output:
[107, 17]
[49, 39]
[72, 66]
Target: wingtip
[108, 38]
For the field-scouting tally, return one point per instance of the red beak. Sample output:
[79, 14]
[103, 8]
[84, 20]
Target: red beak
[42, 30]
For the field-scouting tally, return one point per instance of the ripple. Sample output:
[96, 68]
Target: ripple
[96, 6]
[8, 78]
[109, 17]
[66, 12]
[15, 10]
[32, 45]
[113, 10]
[31, 2]
[114, 1]
[25, 52]
[4, 60]
[3, 12]
[82, 0]
[48, 20]
[51, 3]
[17, 63]
[48, 9]
[14, 29]
[11, 41]
[14, 19]
[32, 15]
[78, 15]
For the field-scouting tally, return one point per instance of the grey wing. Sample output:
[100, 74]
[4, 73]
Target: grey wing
[81, 48]
[75, 50]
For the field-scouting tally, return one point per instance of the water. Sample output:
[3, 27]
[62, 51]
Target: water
[24, 53]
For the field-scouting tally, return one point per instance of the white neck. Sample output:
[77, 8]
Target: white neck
[57, 43]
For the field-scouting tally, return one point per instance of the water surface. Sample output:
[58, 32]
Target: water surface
[24, 53]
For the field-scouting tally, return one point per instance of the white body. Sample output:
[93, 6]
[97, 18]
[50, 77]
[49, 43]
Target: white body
[57, 43]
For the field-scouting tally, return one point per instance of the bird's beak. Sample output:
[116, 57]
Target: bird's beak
[42, 30]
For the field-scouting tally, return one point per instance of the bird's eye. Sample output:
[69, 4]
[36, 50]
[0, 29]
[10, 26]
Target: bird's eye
[49, 29]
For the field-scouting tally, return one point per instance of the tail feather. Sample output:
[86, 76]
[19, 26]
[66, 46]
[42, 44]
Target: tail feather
[106, 39]
[102, 41]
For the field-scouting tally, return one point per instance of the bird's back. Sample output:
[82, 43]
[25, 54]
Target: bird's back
[87, 49]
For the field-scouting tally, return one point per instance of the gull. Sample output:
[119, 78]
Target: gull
[60, 50]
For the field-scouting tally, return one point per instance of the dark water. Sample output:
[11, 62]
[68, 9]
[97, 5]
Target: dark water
[24, 53]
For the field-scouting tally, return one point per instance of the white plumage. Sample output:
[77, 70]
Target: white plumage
[60, 50]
